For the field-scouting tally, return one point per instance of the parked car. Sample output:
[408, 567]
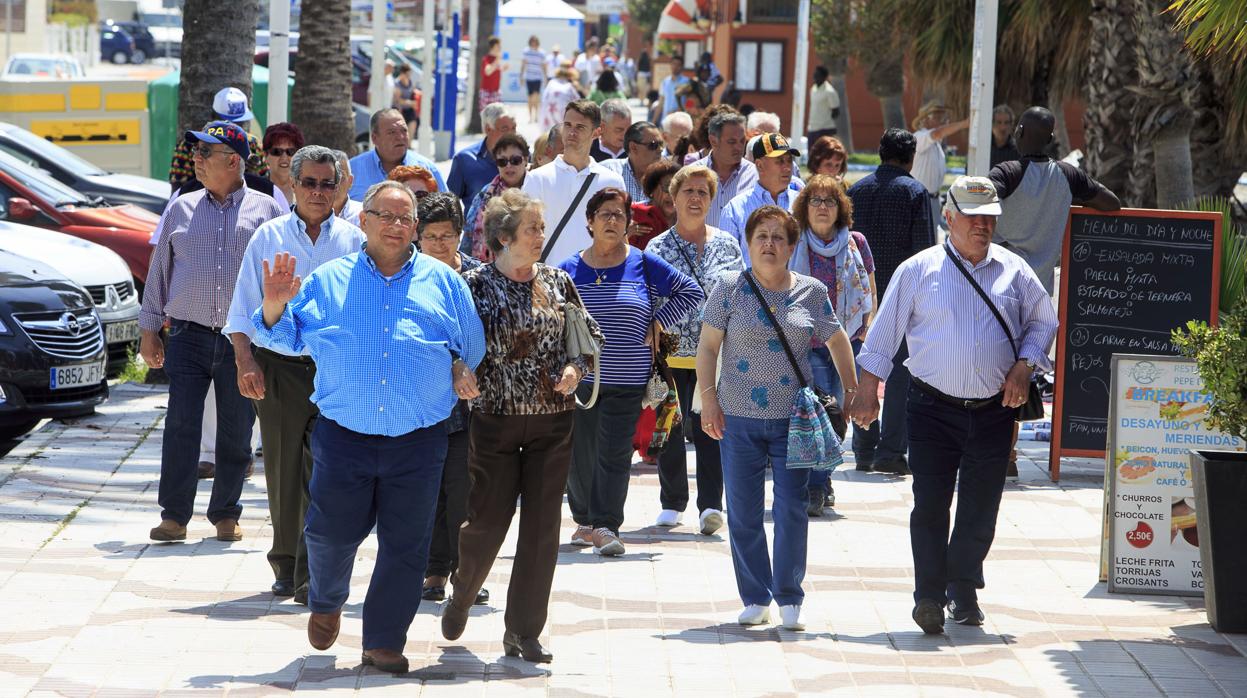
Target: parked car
[30, 196]
[99, 270]
[54, 66]
[115, 45]
[165, 26]
[360, 71]
[144, 42]
[52, 355]
[83, 176]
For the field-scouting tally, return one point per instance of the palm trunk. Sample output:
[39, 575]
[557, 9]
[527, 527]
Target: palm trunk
[893, 111]
[321, 101]
[1060, 130]
[484, 30]
[1111, 70]
[1161, 173]
[885, 78]
[218, 50]
[844, 124]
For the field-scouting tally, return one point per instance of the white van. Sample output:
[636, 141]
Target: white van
[94, 267]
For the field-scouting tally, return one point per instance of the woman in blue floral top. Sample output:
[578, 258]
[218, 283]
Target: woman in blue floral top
[706, 254]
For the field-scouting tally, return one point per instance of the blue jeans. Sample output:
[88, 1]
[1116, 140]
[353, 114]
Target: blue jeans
[359, 480]
[969, 450]
[194, 357]
[827, 379]
[746, 445]
[887, 438]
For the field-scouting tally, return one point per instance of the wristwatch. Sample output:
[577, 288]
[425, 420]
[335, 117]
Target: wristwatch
[1031, 365]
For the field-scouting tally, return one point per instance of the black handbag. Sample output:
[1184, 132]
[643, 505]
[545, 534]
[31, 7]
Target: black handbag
[829, 402]
[1032, 409]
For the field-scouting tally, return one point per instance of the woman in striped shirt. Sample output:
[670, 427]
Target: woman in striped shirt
[619, 285]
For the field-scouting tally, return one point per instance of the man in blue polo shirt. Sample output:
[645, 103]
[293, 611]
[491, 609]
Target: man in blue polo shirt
[473, 168]
[391, 147]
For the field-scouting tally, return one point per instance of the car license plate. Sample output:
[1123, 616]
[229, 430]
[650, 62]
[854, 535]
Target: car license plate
[127, 331]
[74, 376]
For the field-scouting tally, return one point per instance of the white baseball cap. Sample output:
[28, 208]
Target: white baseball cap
[231, 105]
[975, 196]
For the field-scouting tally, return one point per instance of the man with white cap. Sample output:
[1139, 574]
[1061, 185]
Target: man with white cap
[931, 127]
[969, 376]
[229, 104]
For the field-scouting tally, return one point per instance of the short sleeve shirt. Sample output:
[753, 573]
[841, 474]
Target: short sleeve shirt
[757, 379]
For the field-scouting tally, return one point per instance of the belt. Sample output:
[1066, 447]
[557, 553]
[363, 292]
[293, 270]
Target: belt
[213, 330]
[270, 354]
[963, 403]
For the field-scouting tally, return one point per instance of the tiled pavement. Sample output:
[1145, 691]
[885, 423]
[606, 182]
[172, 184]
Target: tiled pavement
[89, 607]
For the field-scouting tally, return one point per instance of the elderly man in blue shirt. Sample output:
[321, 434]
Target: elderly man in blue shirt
[473, 168]
[391, 147]
[774, 157]
[281, 381]
[395, 336]
[969, 375]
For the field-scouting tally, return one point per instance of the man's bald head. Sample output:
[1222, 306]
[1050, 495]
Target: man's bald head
[1034, 131]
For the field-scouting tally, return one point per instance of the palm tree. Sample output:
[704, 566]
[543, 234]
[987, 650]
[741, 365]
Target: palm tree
[321, 101]
[218, 50]
[484, 29]
[832, 43]
[878, 47]
[1111, 105]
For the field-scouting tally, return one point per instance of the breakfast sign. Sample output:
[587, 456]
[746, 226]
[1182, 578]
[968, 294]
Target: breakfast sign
[1156, 416]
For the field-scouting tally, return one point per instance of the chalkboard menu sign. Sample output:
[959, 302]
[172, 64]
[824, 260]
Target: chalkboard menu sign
[1128, 279]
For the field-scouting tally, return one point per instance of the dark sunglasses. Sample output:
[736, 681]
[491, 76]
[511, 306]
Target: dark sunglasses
[206, 151]
[321, 184]
[420, 194]
[652, 145]
[513, 161]
[283, 152]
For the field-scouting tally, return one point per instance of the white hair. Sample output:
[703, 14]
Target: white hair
[764, 121]
[615, 108]
[492, 112]
[677, 118]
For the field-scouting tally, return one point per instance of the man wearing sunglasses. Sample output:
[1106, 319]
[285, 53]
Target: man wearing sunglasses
[279, 380]
[643, 146]
[473, 168]
[968, 378]
[190, 283]
[229, 104]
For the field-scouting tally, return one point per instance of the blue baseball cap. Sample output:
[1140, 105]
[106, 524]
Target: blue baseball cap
[224, 133]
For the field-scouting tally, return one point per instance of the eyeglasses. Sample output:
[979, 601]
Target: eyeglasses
[438, 238]
[282, 152]
[513, 161]
[388, 218]
[206, 151]
[820, 202]
[652, 145]
[610, 215]
[315, 184]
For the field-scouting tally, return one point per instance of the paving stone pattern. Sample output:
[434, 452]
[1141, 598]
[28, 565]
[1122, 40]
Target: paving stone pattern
[91, 608]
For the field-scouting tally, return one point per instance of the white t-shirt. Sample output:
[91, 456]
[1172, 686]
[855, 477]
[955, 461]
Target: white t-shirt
[823, 99]
[590, 69]
[930, 165]
[556, 184]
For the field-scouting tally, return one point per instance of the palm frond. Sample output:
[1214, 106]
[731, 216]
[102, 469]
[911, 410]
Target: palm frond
[1213, 27]
[1233, 249]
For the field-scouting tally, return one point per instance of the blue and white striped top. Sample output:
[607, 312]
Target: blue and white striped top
[955, 343]
[617, 299]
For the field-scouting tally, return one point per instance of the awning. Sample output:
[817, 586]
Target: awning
[677, 21]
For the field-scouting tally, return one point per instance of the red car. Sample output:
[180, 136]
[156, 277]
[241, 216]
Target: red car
[32, 197]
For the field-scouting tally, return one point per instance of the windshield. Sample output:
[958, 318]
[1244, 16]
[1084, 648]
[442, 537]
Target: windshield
[41, 184]
[44, 67]
[160, 20]
[48, 151]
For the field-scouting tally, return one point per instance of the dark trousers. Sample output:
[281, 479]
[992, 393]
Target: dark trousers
[891, 440]
[510, 456]
[673, 463]
[359, 480]
[194, 357]
[827, 379]
[597, 485]
[968, 449]
[452, 506]
[287, 416]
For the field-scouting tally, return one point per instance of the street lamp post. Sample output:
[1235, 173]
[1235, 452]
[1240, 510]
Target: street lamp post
[982, 87]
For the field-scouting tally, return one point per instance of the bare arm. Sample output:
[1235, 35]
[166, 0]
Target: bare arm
[947, 130]
[250, 377]
[707, 361]
[842, 357]
[1105, 200]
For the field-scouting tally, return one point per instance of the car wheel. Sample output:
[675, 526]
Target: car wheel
[8, 432]
[138, 57]
[120, 58]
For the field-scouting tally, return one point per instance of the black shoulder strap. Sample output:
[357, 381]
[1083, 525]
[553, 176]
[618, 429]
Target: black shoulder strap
[692, 270]
[783, 341]
[990, 305]
[558, 230]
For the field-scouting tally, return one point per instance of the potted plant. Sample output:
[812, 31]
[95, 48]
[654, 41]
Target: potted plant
[1220, 477]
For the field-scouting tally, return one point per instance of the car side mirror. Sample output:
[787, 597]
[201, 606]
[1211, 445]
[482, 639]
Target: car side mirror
[21, 209]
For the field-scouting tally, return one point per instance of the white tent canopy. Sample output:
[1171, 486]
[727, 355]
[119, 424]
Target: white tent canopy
[540, 9]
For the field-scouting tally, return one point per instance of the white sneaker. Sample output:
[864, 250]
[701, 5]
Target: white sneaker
[790, 617]
[711, 521]
[755, 615]
[670, 518]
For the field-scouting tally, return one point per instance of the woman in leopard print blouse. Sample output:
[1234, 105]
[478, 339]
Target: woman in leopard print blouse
[520, 438]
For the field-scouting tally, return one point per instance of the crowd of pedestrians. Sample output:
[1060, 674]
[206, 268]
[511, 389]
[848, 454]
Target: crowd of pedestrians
[425, 356]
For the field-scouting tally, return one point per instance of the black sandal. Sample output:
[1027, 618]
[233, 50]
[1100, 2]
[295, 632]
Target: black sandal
[433, 594]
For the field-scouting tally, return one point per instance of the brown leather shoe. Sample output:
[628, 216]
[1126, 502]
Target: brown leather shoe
[322, 629]
[386, 660]
[168, 531]
[454, 620]
[207, 470]
[228, 529]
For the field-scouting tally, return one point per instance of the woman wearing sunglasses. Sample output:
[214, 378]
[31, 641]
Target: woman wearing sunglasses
[511, 155]
[419, 180]
[281, 142]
